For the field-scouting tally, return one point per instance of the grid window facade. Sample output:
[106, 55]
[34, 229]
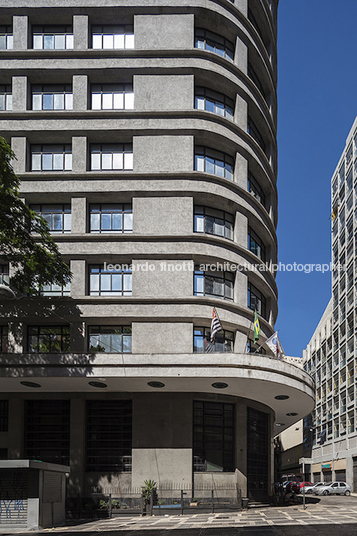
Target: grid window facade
[47, 430]
[211, 161]
[257, 454]
[4, 274]
[213, 436]
[223, 342]
[6, 38]
[213, 42]
[213, 221]
[255, 189]
[48, 339]
[108, 435]
[58, 217]
[116, 218]
[55, 290]
[256, 300]
[112, 97]
[104, 282]
[5, 97]
[112, 157]
[216, 284]
[112, 37]
[217, 103]
[255, 244]
[52, 97]
[51, 158]
[4, 415]
[4, 339]
[110, 339]
[52, 37]
[255, 133]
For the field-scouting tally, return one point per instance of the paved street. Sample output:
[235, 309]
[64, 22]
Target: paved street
[327, 516]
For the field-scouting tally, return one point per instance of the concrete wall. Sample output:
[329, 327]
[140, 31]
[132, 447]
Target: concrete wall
[163, 92]
[164, 31]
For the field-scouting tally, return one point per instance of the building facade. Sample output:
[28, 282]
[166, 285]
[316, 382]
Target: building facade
[331, 355]
[145, 133]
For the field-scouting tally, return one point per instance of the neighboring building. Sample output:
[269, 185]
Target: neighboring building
[331, 356]
[145, 134]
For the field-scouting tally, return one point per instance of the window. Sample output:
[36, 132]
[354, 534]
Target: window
[48, 339]
[255, 245]
[52, 37]
[113, 157]
[213, 436]
[108, 435]
[4, 415]
[211, 161]
[256, 300]
[212, 221]
[55, 290]
[255, 189]
[213, 42]
[255, 78]
[254, 348]
[217, 103]
[256, 135]
[224, 341]
[111, 218]
[4, 274]
[257, 454]
[47, 430]
[217, 284]
[115, 282]
[112, 37]
[4, 339]
[112, 97]
[6, 38]
[51, 158]
[52, 97]
[58, 217]
[5, 97]
[110, 339]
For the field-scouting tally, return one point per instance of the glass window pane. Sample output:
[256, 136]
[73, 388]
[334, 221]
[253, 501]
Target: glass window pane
[209, 105]
[96, 101]
[127, 282]
[199, 223]
[118, 101]
[117, 282]
[58, 161]
[127, 343]
[36, 162]
[118, 161]
[57, 222]
[96, 41]
[107, 101]
[108, 41]
[106, 222]
[58, 101]
[3, 42]
[105, 282]
[117, 342]
[219, 108]
[60, 42]
[37, 42]
[37, 102]
[69, 41]
[128, 161]
[198, 284]
[209, 224]
[94, 222]
[46, 162]
[209, 168]
[119, 41]
[2, 102]
[48, 218]
[128, 222]
[219, 168]
[129, 41]
[67, 220]
[228, 171]
[200, 103]
[69, 101]
[129, 101]
[107, 161]
[48, 42]
[68, 162]
[47, 101]
[200, 163]
[95, 161]
[117, 222]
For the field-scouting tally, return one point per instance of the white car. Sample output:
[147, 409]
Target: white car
[310, 489]
[334, 488]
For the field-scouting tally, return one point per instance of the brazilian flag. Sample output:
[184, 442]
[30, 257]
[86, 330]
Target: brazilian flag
[256, 327]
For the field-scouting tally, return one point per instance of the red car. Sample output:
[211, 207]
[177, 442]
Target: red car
[302, 484]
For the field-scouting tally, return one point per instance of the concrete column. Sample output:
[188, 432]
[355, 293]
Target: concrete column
[241, 56]
[241, 229]
[15, 433]
[241, 171]
[79, 215]
[19, 93]
[16, 338]
[242, 5]
[241, 113]
[77, 445]
[241, 289]
[19, 146]
[80, 32]
[79, 154]
[80, 92]
[20, 28]
[78, 284]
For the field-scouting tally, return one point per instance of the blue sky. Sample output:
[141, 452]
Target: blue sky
[317, 99]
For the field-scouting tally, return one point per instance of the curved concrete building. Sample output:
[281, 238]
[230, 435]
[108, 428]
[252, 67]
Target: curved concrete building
[145, 133]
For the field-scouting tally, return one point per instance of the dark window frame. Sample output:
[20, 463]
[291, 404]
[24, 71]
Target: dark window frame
[38, 332]
[256, 244]
[256, 300]
[43, 90]
[224, 341]
[116, 208]
[211, 157]
[222, 278]
[213, 42]
[97, 331]
[53, 31]
[119, 270]
[217, 101]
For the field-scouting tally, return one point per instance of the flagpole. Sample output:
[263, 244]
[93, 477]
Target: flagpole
[277, 331]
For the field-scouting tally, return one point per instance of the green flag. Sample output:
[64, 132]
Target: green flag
[256, 327]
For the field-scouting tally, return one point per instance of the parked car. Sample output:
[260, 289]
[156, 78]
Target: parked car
[309, 487]
[305, 484]
[292, 487]
[333, 488]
